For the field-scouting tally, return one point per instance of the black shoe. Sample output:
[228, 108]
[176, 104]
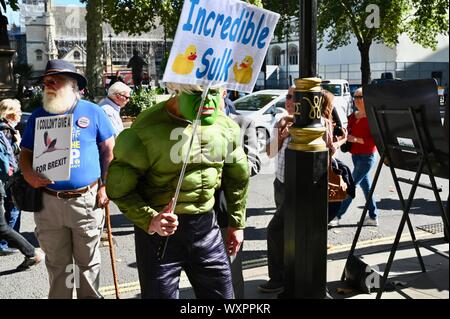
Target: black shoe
[271, 287]
[29, 262]
[8, 251]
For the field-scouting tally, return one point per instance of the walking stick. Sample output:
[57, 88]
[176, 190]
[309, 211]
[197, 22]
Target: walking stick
[111, 250]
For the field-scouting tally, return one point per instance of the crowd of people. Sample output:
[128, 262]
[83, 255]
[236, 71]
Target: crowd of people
[138, 169]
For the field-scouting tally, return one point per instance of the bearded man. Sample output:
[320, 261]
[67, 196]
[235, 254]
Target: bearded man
[142, 180]
[69, 225]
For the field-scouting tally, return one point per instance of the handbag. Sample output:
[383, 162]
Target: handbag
[337, 187]
[346, 147]
[25, 197]
[360, 275]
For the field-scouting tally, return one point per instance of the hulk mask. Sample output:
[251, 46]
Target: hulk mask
[189, 104]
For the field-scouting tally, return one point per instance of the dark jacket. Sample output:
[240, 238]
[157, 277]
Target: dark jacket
[250, 145]
[4, 163]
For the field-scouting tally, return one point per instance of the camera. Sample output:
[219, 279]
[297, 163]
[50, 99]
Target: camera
[338, 131]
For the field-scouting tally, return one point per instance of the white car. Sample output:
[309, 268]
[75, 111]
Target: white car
[342, 98]
[265, 107]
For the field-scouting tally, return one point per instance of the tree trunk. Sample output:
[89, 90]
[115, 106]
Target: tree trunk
[94, 48]
[364, 49]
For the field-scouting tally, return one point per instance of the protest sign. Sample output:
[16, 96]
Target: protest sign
[220, 43]
[52, 146]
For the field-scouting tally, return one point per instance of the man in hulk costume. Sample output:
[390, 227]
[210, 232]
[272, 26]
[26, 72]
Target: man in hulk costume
[142, 180]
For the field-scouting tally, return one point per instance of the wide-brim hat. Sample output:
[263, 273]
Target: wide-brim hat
[62, 67]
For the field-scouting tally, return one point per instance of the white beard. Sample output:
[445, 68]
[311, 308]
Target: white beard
[61, 102]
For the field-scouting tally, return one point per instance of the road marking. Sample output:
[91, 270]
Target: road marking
[383, 240]
[126, 287]
[134, 286]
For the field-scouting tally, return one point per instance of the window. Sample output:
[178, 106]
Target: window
[76, 55]
[38, 55]
[336, 89]
[254, 102]
[276, 56]
[293, 55]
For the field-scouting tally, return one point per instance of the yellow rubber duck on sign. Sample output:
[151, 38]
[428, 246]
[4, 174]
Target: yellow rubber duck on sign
[184, 62]
[243, 74]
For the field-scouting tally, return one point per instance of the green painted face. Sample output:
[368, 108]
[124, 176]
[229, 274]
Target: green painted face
[189, 104]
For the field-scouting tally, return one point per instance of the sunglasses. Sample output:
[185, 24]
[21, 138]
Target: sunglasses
[288, 96]
[357, 97]
[124, 96]
[50, 82]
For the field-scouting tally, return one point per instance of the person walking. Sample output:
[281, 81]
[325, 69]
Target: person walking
[69, 225]
[118, 96]
[363, 152]
[10, 114]
[275, 230]
[7, 166]
[137, 63]
[250, 144]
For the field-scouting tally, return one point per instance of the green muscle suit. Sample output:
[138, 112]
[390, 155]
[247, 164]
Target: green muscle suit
[147, 163]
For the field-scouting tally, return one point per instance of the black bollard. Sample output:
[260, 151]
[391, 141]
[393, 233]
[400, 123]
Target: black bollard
[306, 176]
[306, 225]
[306, 181]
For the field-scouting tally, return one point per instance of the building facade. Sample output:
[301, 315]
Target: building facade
[405, 61]
[60, 32]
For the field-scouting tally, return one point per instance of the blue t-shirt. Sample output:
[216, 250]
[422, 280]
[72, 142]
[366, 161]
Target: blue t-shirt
[91, 126]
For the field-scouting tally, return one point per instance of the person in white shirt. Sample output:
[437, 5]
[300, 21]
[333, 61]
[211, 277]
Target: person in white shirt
[118, 96]
[275, 230]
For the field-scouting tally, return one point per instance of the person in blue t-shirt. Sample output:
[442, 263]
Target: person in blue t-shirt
[69, 225]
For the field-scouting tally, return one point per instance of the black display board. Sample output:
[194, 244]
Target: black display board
[398, 128]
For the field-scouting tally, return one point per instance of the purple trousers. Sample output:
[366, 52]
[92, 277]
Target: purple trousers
[197, 248]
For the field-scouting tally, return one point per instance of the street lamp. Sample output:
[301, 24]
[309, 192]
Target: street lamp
[110, 51]
[287, 54]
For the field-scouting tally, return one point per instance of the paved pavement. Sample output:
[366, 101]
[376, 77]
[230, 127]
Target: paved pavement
[376, 241]
[406, 281]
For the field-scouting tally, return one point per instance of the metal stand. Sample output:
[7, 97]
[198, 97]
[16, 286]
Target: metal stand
[423, 155]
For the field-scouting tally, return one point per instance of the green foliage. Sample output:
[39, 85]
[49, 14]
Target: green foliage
[139, 16]
[13, 4]
[139, 101]
[421, 20]
[32, 103]
[287, 9]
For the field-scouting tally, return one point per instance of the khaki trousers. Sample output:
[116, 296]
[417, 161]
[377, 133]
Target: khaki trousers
[69, 232]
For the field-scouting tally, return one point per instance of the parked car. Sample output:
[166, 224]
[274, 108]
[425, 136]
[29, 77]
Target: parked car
[265, 107]
[342, 98]
[353, 88]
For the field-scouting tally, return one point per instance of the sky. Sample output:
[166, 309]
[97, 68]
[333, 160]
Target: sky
[14, 17]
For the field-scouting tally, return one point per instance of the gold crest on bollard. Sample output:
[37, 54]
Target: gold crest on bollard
[307, 130]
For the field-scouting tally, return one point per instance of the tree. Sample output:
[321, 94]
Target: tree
[381, 21]
[287, 10]
[94, 48]
[139, 16]
[369, 21]
[13, 4]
